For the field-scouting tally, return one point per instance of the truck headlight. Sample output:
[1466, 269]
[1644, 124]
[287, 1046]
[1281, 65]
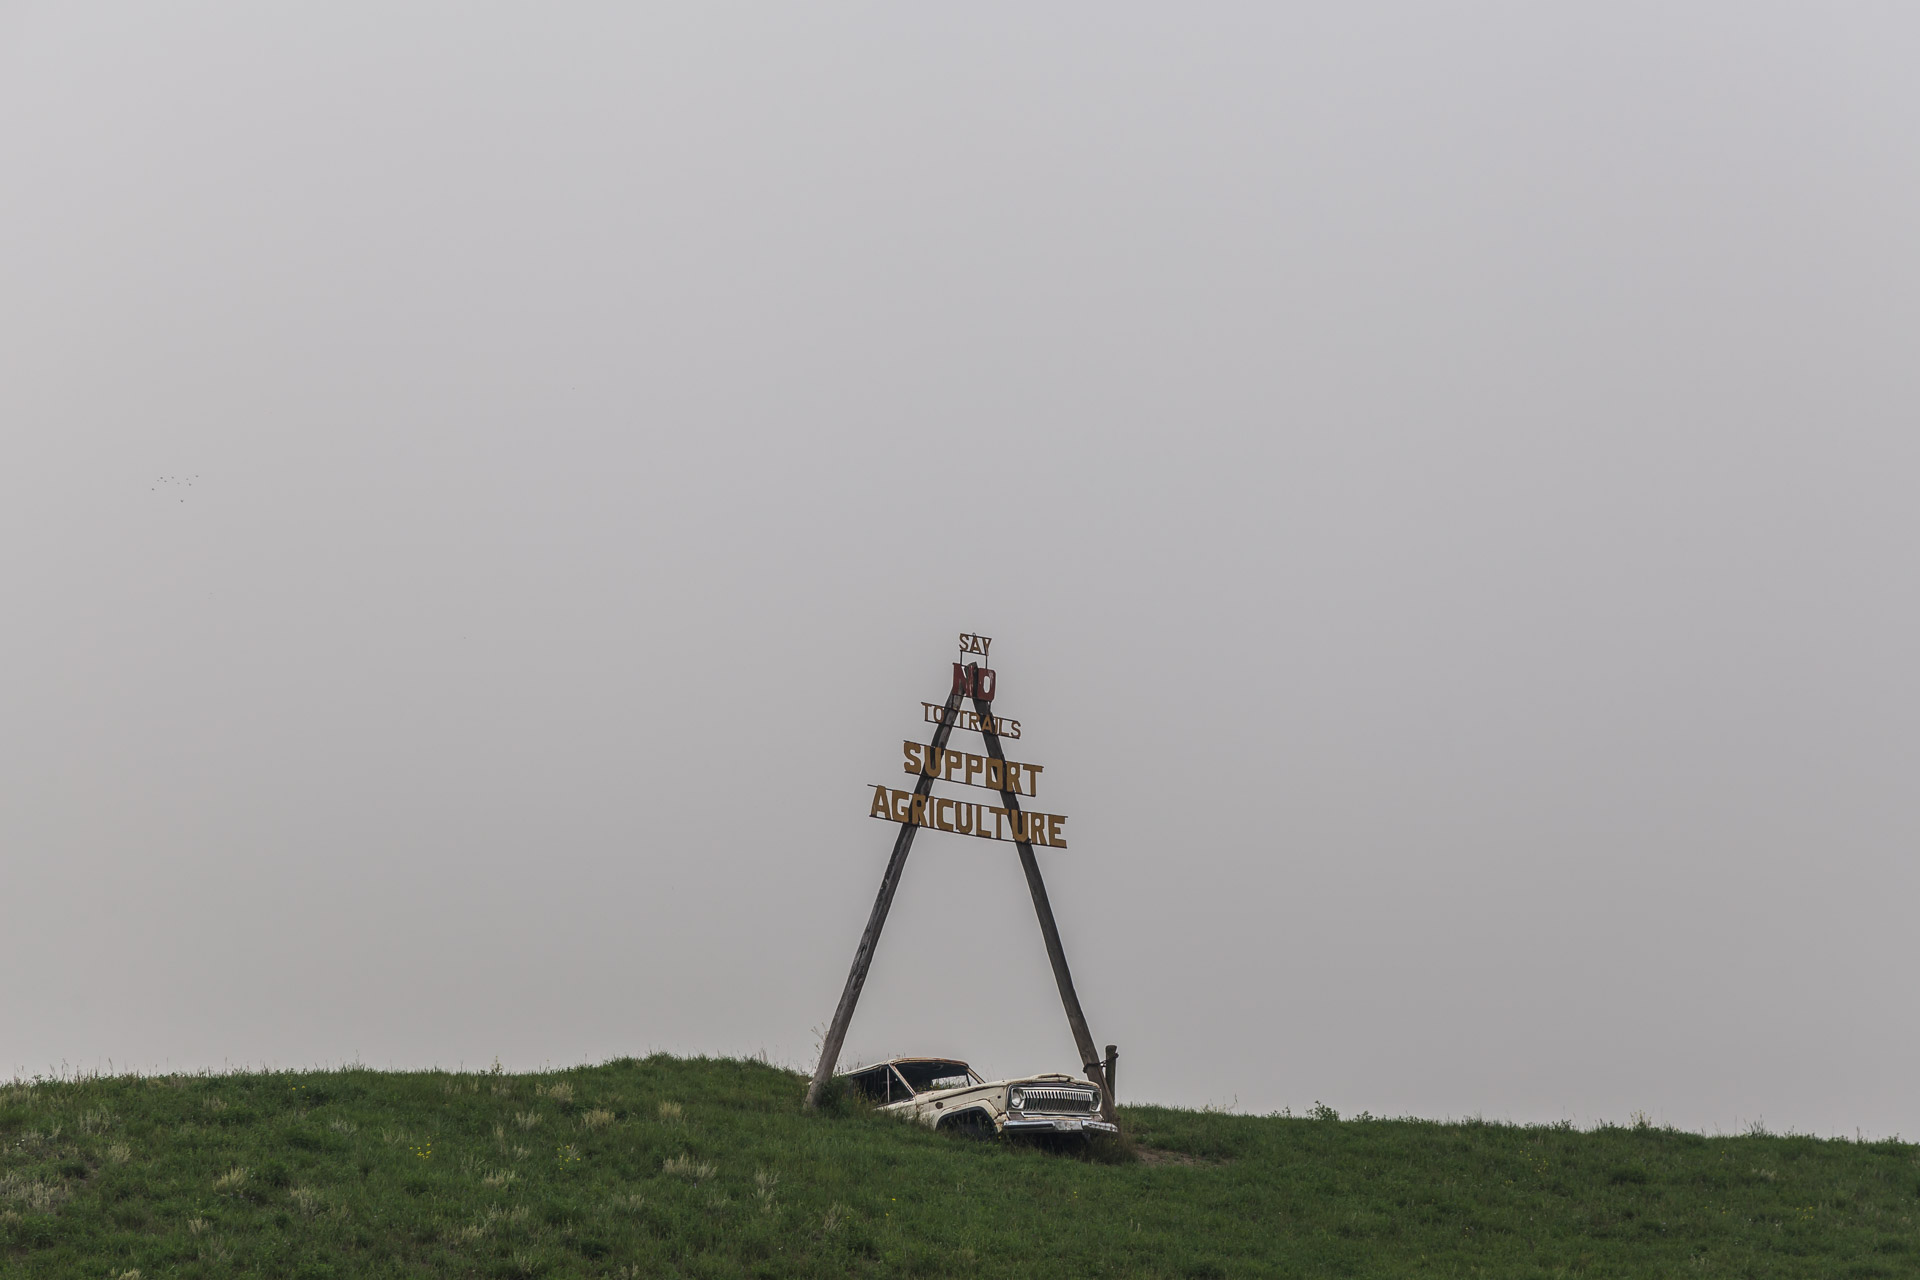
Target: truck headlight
[1016, 1098]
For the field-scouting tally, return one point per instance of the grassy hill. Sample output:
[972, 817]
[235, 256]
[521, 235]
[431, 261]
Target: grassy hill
[668, 1167]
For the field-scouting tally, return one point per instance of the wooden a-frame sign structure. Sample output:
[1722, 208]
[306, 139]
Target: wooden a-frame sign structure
[1090, 1061]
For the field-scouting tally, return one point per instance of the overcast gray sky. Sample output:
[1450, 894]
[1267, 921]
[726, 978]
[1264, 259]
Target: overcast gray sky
[485, 490]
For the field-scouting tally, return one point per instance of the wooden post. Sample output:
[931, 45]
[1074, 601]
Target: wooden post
[1113, 1057]
[1062, 977]
[863, 954]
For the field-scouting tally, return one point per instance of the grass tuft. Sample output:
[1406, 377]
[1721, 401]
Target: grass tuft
[764, 1182]
[689, 1168]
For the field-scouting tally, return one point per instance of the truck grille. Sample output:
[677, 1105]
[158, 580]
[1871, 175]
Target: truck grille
[1075, 1102]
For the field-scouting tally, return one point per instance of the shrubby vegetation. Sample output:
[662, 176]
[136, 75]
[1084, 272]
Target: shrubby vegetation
[673, 1167]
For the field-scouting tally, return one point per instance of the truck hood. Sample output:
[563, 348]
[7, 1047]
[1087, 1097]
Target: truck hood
[992, 1086]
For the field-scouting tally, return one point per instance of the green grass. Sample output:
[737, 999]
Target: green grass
[668, 1167]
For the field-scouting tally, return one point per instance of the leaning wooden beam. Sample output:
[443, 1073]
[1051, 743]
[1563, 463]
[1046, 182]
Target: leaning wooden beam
[863, 954]
[1082, 1038]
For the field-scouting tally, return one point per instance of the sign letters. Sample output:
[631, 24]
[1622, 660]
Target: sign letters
[999, 726]
[974, 682]
[1011, 778]
[963, 766]
[967, 818]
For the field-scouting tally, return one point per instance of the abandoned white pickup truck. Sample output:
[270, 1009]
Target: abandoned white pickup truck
[946, 1094]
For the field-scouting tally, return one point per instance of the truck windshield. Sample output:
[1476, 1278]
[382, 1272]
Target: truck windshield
[933, 1074]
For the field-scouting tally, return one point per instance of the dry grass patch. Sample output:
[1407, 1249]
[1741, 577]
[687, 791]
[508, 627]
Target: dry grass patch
[495, 1217]
[689, 1168]
[526, 1119]
[672, 1113]
[31, 1194]
[598, 1118]
[233, 1179]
